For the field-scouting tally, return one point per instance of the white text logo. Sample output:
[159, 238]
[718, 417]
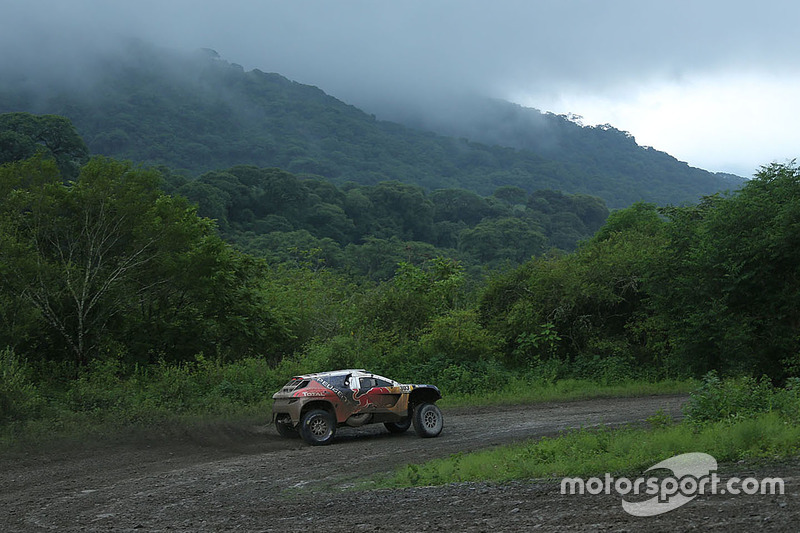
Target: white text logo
[693, 474]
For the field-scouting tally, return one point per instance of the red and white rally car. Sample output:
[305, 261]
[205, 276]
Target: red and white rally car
[314, 405]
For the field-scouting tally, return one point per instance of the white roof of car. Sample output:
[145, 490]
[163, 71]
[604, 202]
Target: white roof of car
[359, 371]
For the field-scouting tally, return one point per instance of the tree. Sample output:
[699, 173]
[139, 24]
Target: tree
[729, 284]
[109, 262]
[509, 239]
[511, 195]
[406, 304]
[77, 248]
[23, 134]
[401, 210]
[577, 307]
[458, 205]
[639, 216]
[15, 146]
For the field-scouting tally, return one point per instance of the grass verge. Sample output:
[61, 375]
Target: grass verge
[728, 419]
[527, 392]
[592, 452]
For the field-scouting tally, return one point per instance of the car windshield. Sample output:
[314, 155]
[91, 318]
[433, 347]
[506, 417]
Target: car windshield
[391, 382]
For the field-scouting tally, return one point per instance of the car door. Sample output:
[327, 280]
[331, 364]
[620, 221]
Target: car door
[379, 394]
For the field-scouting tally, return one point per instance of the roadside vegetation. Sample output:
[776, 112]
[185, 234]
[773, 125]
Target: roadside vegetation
[521, 391]
[121, 306]
[733, 420]
[106, 399]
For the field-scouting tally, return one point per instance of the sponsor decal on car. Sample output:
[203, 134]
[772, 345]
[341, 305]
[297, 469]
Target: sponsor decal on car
[364, 399]
[342, 396]
[313, 393]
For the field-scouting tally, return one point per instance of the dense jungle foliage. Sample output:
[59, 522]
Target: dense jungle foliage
[366, 230]
[200, 113]
[114, 291]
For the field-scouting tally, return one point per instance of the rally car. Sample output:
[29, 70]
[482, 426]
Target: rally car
[312, 406]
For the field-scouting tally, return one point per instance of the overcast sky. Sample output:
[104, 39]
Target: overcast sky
[714, 83]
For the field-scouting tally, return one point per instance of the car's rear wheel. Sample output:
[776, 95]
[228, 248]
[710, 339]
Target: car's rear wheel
[428, 420]
[398, 427]
[318, 427]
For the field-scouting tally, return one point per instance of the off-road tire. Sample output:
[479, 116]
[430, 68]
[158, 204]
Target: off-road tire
[317, 427]
[287, 431]
[428, 420]
[398, 427]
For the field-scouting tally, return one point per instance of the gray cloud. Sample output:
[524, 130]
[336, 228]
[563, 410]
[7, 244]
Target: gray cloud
[381, 54]
[414, 46]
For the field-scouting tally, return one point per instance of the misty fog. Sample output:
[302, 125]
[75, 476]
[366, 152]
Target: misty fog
[414, 61]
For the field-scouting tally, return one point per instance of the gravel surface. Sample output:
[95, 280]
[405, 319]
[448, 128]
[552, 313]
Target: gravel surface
[245, 477]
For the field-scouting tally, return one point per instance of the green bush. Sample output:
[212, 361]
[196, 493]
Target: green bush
[549, 371]
[100, 386]
[463, 378]
[206, 385]
[247, 382]
[19, 396]
[360, 349]
[717, 399]
[460, 337]
[787, 400]
[604, 369]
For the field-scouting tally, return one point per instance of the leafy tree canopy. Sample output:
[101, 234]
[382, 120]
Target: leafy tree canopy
[22, 135]
[679, 290]
[273, 213]
[109, 263]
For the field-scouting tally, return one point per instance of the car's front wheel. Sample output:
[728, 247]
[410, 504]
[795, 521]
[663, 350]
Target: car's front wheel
[428, 420]
[317, 427]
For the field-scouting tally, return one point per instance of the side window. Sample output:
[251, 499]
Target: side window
[366, 383]
[338, 381]
[383, 383]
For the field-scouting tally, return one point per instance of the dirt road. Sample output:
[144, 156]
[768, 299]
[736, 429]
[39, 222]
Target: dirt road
[246, 478]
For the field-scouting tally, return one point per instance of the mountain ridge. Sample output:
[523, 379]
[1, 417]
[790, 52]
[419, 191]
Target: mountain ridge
[198, 112]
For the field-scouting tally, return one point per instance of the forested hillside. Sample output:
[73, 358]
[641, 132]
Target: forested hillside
[600, 150]
[363, 230]
[117, 298]
[367, 230]
[200, 113]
